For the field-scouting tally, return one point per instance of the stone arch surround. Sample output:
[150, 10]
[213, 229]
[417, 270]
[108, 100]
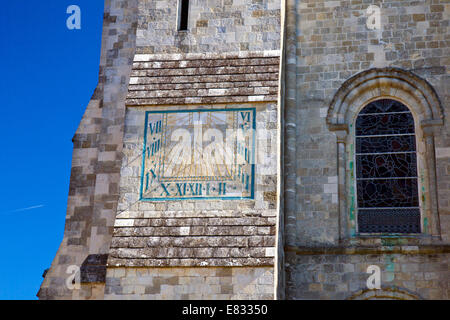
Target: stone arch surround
[393, 83]
[385, 293]
[424, 103]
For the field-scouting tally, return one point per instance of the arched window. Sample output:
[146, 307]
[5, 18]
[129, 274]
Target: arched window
[386, 169]
[382, 154]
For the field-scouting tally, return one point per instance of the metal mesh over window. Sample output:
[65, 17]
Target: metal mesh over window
[386, 169]
[389, 221]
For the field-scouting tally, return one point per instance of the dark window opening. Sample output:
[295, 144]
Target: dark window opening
[184, 14]
[386, 169]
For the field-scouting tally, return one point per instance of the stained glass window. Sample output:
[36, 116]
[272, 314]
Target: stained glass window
[386, 169]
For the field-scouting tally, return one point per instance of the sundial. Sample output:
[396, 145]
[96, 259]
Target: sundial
[199, 154]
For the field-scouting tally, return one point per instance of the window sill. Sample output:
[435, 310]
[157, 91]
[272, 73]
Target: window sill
[392, 240]
[370, 250]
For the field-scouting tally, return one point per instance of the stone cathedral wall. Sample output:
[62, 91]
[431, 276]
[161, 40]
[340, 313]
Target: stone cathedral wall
[328, 43]
[227, 62]
[185, 230]
[407, 274]
[214, 26]
[190, 283]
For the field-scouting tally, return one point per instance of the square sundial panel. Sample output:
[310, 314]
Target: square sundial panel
[199, 154]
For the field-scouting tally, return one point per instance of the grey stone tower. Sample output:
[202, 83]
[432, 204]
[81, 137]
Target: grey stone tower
[140, 223]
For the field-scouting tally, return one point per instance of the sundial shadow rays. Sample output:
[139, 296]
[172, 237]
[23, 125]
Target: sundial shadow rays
[183, 159]
[209, 161]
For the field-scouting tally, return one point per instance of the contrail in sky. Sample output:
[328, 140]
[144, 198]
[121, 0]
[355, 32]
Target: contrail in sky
[26, 209]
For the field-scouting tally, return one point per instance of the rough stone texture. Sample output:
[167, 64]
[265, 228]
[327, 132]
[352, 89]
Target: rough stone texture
[93, 269]
[133, 30]
[333, 44]
[214, 26]
[93, 192]
[344, 276]
[190, 283]
[327, 43]
[91, 291]
[204, 78]
[196, 232]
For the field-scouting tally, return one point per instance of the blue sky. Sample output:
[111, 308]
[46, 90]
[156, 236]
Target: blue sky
[48, 76]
